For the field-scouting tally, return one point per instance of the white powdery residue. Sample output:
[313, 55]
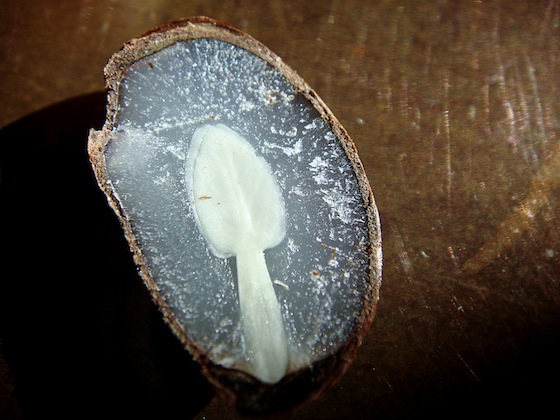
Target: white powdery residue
[286, 97]
[319, 280]
[297, 190]
[295, 149]
[273, 94]
[321, 178]
[161, 125]
[136, 144]
[177, 151]
[224, 322]
[319, 169]
[162, 180]
[318, 164]
[335, 153]
[311, 125]
[333, 262]
[292, 246]
[244, 104]
[363, 242]
[329, 136]
[275, 130]
[341, 204]
[266, 95]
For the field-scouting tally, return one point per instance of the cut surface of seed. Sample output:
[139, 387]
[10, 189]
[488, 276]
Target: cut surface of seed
[202, 83]
[246, 208]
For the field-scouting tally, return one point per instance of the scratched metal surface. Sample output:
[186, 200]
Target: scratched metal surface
[455, 110]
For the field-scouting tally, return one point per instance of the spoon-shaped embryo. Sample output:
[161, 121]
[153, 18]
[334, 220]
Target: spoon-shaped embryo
[240, 212]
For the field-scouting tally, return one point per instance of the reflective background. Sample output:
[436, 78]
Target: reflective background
[454, 108]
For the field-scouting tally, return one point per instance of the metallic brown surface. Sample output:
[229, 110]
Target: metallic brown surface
[455, 110]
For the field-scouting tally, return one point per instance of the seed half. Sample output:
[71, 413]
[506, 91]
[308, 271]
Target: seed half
[322, 244]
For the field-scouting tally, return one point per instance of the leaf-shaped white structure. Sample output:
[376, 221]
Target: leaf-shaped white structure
[240, 212]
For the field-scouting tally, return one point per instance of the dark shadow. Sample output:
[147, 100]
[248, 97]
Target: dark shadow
[78, 330]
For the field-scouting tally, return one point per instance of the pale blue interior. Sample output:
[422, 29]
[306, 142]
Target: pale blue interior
[323, 260]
